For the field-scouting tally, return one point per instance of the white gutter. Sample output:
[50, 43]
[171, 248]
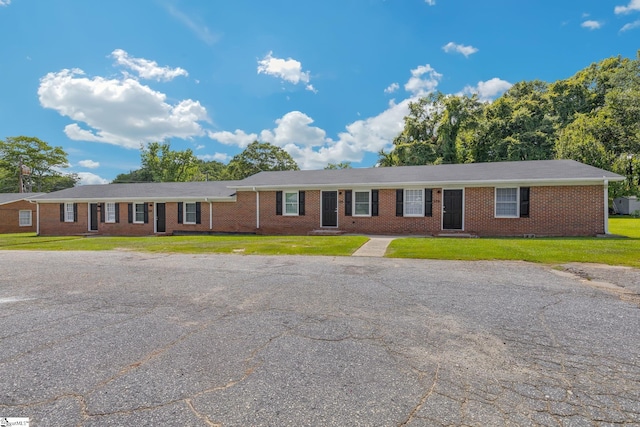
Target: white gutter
[37, 219]
[210, 215]
[606, 206]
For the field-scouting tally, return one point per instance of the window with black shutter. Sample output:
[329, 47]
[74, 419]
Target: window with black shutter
[524, 202]
[399, 202]
[278, 202]
[374, 203]
[428, 202]
[347, 203]
[180, 217]
[198, 213]
[301, 203]
[130, 212]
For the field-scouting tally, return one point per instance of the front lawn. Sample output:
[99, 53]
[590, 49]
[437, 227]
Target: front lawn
[244, 244]
[613, 251]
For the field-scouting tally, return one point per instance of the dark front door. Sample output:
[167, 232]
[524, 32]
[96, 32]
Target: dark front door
[329, 208]
[93, 216]
[161, 221]
[452, 210]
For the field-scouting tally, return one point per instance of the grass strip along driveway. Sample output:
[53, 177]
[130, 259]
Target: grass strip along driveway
[613, 251]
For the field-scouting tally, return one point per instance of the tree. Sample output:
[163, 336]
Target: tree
[212, 170]
[165, 165]
[138, 175]
[42, 159]
[258, 157]
[341, 165]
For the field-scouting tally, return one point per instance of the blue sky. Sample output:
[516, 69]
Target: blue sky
[327, 81]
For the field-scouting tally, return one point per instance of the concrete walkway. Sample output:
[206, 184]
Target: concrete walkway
[375, 247]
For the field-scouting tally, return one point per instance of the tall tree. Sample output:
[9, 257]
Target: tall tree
[42, 159]
[258, 157]
[341, 165]
[166, 165]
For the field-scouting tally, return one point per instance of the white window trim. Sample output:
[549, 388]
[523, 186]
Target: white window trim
[20, 222]
[353, 207]
[495, 203]
[135, 212]
[404, 203]
[106, 212]
[284, 203]
[69, 212]
[184, 209]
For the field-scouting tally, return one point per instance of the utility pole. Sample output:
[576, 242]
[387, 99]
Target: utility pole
[20, 182]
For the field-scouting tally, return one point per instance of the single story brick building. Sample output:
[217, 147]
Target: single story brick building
[541, 198]
[17, 214]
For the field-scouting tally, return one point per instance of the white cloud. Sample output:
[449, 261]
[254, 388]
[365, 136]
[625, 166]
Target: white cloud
[418, 85]
[392, 88]
[294, 128]
[220, 157]
[5, 2]
[489, 89]
[147, 69]
[89, 164]
[633, 6]
[592, 25]
[88, 178]
[459, 48]
[430, 2]
[118, 111]
[287, 69]
[238, 138]
[630, 26]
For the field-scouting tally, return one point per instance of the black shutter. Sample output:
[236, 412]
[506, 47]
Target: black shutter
[146, 213]
[347, 202]
[130, 213]
[278, 202]
[524, 202]
[374, 202]
[180, 212]
[198, 212]
[428, 202]
[61, 212]
[117, 212]
[399, 202]
[75, 212]
[301, 203]
[103, 207]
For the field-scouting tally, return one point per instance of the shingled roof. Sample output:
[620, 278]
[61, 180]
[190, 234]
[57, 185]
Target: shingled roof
[14, 197]
[541, 172]
[148, 191]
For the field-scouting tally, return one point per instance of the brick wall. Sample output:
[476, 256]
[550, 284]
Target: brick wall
[554, 211]
[9, 217]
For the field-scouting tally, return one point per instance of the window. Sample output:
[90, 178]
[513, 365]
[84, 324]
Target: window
[110, 212]
[413, 203]
[506, 202]
[69, 212]
[291, 203]
[138, 210]
[25, 218]
[190, 213]
[361, 205]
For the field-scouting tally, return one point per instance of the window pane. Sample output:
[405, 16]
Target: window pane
[190, 213]
[110, 213]
[68, 209]
[25, 218]
[291, 203]
[507, 202]
[413, 203]
[139, 212]
[361, 203]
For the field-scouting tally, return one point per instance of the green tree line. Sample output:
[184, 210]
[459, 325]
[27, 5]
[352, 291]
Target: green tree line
[592, 117]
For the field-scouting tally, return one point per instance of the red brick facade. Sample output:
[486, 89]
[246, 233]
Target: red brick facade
[554, 211]
[10, 217]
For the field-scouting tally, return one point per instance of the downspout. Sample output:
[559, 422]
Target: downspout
[210, 215]
[606, 206]
[257, 208]
[37, 218]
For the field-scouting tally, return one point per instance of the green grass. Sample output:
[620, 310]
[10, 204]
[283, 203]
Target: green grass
[613, 251]
[246, 244]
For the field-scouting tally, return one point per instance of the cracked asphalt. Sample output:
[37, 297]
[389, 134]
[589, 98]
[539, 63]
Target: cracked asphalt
[128, 339]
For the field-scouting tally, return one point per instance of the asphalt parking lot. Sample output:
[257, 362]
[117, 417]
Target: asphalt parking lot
[128, 339]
